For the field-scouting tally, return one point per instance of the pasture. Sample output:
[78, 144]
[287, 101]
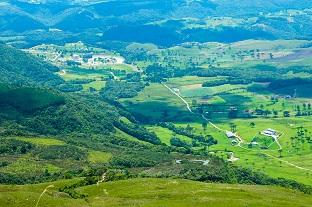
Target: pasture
[268, 160]
[156, 103]
[222, 55]
[265, 157]
[165, 135]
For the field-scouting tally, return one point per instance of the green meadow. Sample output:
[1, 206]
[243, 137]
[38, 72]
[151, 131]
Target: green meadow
[152, 193]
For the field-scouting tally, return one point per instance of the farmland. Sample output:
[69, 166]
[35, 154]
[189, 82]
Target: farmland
[250, 107]
[244, 54]
[255, 157]
[246, 106]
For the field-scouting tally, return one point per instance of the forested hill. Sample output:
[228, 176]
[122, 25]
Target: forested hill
[162, 22]
[19, 68]
[31, 103]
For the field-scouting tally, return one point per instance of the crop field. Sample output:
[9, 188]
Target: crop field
[80, 73]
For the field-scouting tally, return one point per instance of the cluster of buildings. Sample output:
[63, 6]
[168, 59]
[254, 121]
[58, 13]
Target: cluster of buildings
[95, 59]
[268, 132]
[232, 137]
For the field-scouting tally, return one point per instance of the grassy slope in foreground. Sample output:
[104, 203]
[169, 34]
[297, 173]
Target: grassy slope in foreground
[156, 192]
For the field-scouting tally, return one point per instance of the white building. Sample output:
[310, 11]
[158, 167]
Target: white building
[270, 132]
[230, 135]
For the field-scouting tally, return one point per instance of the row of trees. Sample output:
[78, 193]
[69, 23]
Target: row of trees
[121, 89]
[138, 131]
[207, 140]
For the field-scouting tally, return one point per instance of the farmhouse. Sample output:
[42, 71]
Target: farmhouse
[270, 132]
[230, 135]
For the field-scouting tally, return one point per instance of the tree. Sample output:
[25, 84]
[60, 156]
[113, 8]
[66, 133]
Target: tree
[233, 127]
[194, 102]
[179, 143]
[205, 125]
[252, 124]
[189, 128]
[286, 114]
[275, 113]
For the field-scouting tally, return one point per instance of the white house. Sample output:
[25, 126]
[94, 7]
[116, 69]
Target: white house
[270, 132]
[230, 135]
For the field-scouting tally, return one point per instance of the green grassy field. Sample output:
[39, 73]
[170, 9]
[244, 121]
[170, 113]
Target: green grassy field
[99, 157]
[154, 192]
[41, 141]
[98, 85]
[244, 97]
[165, 135]
[157, 103]
[242, 54]
[27, 165]
[256, 158]
[264, 160]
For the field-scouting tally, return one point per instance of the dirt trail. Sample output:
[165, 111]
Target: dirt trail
[43, 192]
[276, 139]
[178, 95]
[288, 163]
[103, 177]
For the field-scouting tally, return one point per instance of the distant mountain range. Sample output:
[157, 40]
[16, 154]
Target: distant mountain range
[177, 21]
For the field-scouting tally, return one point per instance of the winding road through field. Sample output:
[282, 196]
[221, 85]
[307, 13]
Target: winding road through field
[240, 139]
[178, 95]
